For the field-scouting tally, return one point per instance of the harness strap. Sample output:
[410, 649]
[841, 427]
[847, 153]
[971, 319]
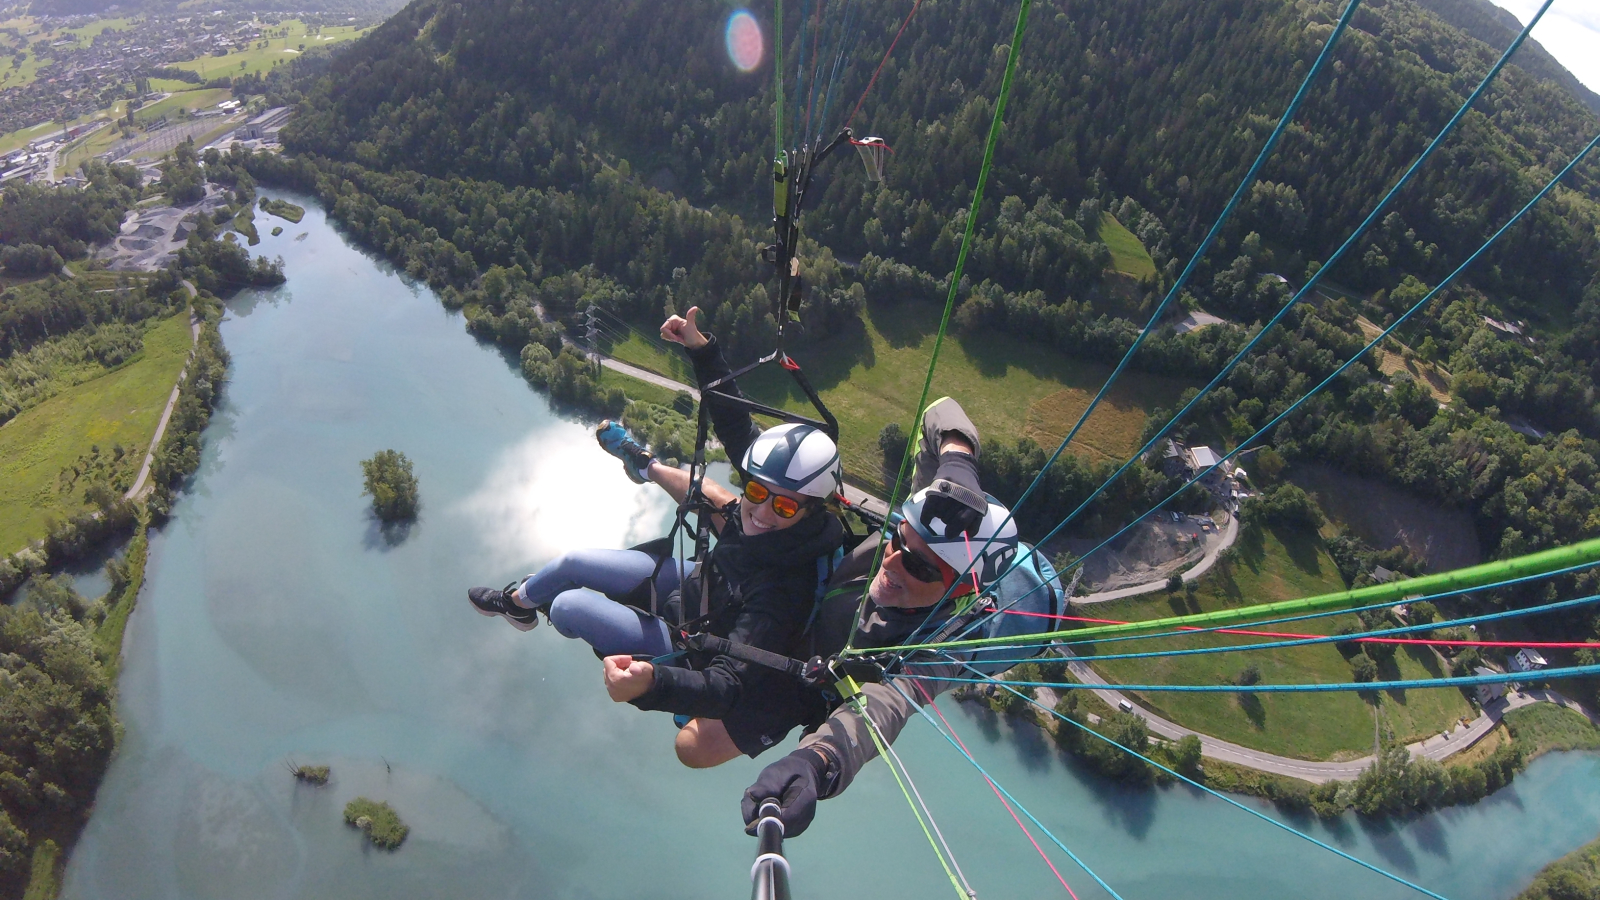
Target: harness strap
[710, 643]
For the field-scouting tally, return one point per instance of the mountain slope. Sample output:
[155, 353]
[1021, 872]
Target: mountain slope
[1498, 28]
[1168, 99]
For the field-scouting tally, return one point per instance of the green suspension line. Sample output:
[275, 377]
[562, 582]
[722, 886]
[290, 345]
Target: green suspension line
[961, 258]
[1390, 592]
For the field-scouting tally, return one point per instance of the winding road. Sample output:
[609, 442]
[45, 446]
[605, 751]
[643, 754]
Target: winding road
[1438, 747]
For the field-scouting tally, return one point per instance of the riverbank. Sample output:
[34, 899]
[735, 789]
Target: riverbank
[1528, 727]
[50, 853]
[1575, 876]
[69, 645]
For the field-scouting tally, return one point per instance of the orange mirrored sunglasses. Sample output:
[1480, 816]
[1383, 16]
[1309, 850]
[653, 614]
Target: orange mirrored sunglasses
[785, 507]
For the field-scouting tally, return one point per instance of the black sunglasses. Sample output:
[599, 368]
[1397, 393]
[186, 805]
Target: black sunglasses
[915, 564]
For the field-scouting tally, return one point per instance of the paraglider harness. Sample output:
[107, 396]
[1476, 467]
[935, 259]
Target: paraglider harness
[792, 174]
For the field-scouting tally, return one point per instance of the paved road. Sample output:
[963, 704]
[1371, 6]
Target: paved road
[1438, 747]
[138, 488]
[648, 376]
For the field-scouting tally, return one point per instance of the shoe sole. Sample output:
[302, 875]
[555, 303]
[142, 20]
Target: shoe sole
[518, 625]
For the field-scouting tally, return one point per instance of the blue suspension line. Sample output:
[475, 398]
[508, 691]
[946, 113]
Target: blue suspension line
[1183, 279]
[1420, 304]
[921, 708]
[1332, 688]
[847, 41]
[1315, 279]
[1335, 612]
[1211, 236]
[800, 65]
[1324, 639]
[1229, 800]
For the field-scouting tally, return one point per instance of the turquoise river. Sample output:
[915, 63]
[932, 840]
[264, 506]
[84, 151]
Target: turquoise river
[279, 625]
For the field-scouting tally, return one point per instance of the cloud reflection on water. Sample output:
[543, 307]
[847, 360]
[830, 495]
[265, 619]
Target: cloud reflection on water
[555, 491]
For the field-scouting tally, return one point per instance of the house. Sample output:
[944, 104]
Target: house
[1382, 575]
[1202, 458]
[1488, 692]
[1173, 462]
[1506, 327]
[1527, 660]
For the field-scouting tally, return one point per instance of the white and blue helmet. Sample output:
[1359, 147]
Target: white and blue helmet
[988, 551]
[797, 458]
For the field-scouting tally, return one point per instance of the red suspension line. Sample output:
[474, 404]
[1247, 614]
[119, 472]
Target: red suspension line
[874, 80]
[998, 796]
[1537, 645]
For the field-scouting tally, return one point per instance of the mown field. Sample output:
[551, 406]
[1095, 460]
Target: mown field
[1011, 388]
[279, 49]
[1275, 565]
[1128, 255]
[120, 407]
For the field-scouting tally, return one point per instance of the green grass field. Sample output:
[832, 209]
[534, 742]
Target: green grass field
[1544, 727]
[1276, 566]
[1128, 255]
[873, 375]
[20, 138]
[20, 76]
[191, 100]
[87, 33]
[120, 407]
[259, 59]
[86, 147]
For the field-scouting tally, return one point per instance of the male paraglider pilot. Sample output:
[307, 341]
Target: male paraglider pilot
[924, 588]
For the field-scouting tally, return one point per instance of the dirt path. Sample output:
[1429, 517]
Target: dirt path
[139, 486]
[1230, 533]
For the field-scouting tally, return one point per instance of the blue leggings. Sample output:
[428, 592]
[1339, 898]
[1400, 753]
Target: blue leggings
[569, 586]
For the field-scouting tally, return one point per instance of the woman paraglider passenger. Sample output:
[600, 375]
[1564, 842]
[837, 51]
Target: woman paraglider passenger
[776, 545]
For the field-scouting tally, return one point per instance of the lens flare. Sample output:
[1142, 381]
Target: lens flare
[744, 41]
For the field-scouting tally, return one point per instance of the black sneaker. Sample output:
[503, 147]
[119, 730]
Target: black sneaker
[492, 602]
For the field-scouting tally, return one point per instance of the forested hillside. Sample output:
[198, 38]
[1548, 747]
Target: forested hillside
[1169, 100]
[1497, 27]
[526, 140]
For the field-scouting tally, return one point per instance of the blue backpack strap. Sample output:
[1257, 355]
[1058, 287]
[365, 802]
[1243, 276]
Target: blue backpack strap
[825, 567]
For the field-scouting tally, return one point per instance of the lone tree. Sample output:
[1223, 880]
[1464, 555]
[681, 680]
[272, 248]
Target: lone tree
[391, 485]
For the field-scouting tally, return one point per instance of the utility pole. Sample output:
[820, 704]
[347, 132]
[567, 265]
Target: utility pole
[590, 333]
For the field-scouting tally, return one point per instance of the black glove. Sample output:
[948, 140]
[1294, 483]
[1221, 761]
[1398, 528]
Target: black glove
[955, 496]
[793, 782]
